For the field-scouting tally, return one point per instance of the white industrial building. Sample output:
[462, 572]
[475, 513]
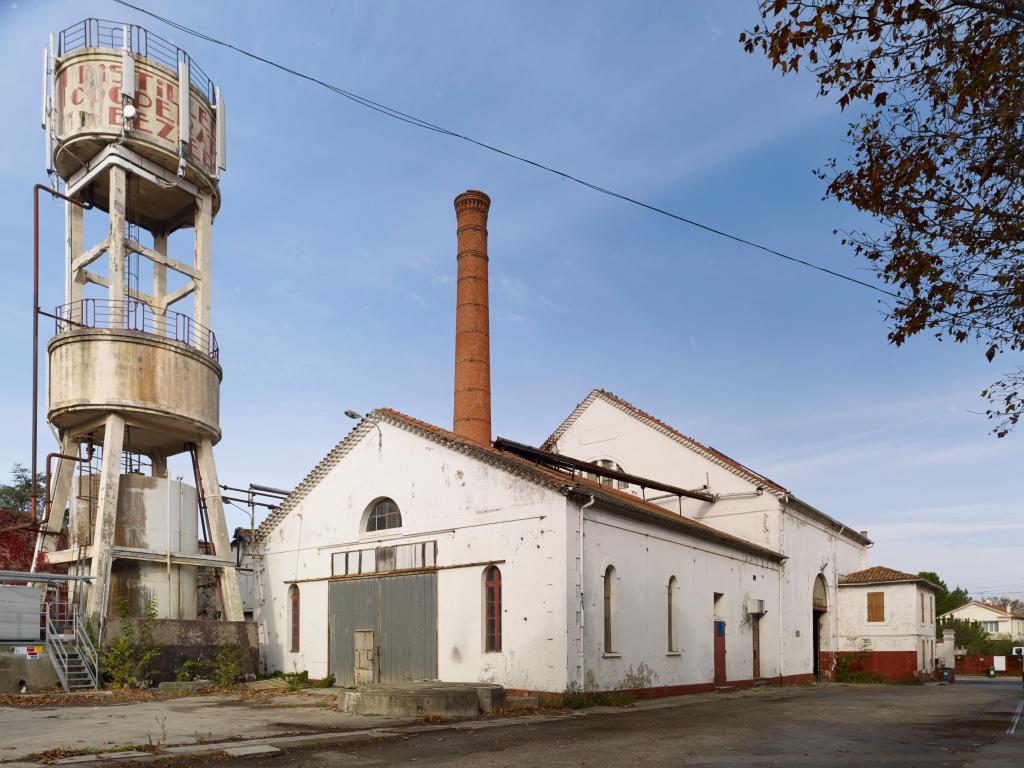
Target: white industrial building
[621, 554]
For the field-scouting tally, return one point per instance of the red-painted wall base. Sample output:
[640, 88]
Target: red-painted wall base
[888, 665]
[979, 665]
[662, 691]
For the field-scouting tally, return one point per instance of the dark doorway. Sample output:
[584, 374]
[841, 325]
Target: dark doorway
[720, 674]
[819, 606]
[755, 632]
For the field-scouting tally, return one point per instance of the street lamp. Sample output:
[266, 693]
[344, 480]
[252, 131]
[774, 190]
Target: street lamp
[356, 416]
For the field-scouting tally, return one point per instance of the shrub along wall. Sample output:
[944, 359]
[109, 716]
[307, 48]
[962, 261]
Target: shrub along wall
[182, 640]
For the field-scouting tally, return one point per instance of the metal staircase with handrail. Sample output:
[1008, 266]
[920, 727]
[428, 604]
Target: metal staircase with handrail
[70, 649]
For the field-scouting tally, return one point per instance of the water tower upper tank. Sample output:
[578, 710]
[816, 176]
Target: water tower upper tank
[119, 83]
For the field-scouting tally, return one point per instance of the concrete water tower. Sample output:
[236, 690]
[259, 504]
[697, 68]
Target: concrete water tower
[135, 129]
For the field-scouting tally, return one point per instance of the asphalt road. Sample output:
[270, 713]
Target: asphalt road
[965, 724]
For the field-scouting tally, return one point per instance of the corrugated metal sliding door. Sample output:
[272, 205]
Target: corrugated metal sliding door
[352, 606]
[407, 628]
[401, 611]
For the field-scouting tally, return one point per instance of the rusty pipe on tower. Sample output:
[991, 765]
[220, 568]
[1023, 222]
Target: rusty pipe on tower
[36, 309]
[472, 412]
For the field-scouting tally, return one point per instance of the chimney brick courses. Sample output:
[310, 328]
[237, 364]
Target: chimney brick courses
[472, 417]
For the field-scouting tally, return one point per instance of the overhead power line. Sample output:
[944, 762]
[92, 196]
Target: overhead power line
[424, 124]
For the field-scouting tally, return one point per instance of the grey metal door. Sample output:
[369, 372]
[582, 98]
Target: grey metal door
[407, 612]
[402, 612]
[352, 606]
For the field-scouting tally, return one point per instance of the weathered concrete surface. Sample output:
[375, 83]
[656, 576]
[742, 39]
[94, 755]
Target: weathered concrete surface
[176, 721]
[958, 725]
[37, 673]
[182, 640]
[190, 686]
[421, 699]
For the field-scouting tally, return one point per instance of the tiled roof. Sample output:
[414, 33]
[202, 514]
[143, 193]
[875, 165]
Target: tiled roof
[879, 574]
[619, 501]
[990, 606]
[709, 453]
[706, 451]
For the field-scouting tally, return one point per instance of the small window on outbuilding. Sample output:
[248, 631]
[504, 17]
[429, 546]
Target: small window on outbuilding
[383, 515]
[293, 603]
[492, 609]
[876, 606]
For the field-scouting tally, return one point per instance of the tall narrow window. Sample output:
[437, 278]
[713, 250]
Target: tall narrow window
[609, 609]
[293, 601]
[876, 606]
[673, 646]
[492, 609]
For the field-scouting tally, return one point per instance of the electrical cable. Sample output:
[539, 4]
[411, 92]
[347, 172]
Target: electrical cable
[424, 124]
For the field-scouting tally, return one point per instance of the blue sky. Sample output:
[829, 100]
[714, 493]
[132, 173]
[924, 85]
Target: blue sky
[334, 254]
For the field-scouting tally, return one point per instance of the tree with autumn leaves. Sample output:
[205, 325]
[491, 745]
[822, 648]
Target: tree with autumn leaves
[936, 93]
[17, 543]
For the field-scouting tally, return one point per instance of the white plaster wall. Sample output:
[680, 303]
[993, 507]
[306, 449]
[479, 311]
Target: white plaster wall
[475, 513]
[645, 557]
[902, 630]
[604, 431]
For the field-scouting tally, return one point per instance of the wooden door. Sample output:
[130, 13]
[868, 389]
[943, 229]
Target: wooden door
[720, 674]
[755, 631]
[362, 640]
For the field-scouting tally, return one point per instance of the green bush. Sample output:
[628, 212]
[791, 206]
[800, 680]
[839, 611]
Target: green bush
[191, 669]
[227, 666]
[296, 680]
[575, 697]
[128, 662]
[327, 682]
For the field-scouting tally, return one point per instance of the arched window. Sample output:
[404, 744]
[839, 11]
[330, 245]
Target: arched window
[492, 609]
[383, 515]
[607, 481]
[609, 609]
[673, 587]
[293, 602]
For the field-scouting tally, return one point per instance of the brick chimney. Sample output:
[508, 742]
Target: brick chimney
[472, 327]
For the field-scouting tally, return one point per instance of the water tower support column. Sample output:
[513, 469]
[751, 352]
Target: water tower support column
[106, 517]
[116, 251]
[219, 531]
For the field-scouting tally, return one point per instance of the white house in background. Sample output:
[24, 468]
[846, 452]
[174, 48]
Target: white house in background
[998, 621]
[818, 549]
[891, 615]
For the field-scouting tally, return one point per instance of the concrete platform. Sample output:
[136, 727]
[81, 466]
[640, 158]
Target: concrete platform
[422, 699]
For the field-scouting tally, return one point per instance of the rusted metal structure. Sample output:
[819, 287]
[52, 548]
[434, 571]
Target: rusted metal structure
[135, 130]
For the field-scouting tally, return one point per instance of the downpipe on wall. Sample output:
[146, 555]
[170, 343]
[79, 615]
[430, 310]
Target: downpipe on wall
[581, 653]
